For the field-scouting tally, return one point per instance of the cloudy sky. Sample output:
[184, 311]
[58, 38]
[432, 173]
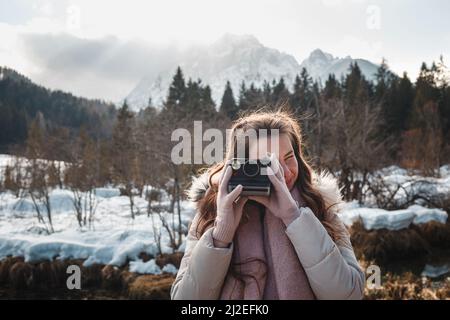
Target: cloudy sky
[101, 49]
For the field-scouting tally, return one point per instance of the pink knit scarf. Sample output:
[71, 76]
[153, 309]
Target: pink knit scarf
[264, 263]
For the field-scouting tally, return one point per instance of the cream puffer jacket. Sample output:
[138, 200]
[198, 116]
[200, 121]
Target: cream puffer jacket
[331, 266]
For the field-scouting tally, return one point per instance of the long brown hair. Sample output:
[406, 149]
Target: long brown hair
[283, 120]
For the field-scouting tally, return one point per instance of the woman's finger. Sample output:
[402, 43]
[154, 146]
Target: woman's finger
[222, 173]
[223, 185]
[282, 174]
[275, 166]
[275, 181]
[232, 196]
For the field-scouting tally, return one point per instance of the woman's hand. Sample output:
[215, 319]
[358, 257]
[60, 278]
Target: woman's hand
[229, 211]
[280, 202]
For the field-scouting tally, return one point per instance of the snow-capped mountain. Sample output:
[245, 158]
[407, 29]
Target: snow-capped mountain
[239, 58]
[232, 58]
[320, 65]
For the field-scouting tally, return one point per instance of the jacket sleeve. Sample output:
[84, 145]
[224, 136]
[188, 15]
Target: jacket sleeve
[332, 269]
[203, 268]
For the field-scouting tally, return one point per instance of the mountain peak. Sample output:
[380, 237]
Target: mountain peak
[318, 54]
[236, 58]
[320, 65]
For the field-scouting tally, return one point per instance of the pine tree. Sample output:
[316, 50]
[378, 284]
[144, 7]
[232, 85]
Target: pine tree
[198, 103]
[385, 89]
[422, 142]
[356, 87]
[315, 94]
[177, 90]
[426, 91]
[243, 103]
[296, 100]
[267, 92]
[228, 105]
[280, 92]
[443, 82]
[302, 96]
[401, 98]
[192, 97]
[208, 107]
[332, 88]
[383, 79]
[254, 97]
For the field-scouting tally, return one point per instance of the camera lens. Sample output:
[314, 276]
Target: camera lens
[235, 164]
[251, 169]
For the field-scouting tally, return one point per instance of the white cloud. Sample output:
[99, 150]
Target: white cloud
[295, 27]
[334, 3]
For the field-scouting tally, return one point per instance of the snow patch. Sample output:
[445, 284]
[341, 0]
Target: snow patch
[149, 267]
[375, 218]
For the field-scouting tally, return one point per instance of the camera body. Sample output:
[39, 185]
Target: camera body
[252, 175]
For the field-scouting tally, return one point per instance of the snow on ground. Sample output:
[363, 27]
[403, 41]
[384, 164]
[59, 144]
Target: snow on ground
[375, 218]
[435, 271]
[150, 267]
[140, 266]
[116, 239]
[410, 183]
[10, 161]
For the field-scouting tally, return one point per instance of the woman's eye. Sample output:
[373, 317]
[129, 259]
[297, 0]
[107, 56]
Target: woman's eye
[290, 157]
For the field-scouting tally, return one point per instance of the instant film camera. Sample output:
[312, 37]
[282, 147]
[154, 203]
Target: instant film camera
[252, 175]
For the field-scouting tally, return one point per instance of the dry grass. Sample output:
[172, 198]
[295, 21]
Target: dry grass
[409, 287]
[385, 245]
[435, 233]
[407, 249]
[154, 287]
[48, 278]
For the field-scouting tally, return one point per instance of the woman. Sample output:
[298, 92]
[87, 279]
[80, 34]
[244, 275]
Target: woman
[289, 245]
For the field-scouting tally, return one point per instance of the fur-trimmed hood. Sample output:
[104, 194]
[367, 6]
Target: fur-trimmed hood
[324, 182]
